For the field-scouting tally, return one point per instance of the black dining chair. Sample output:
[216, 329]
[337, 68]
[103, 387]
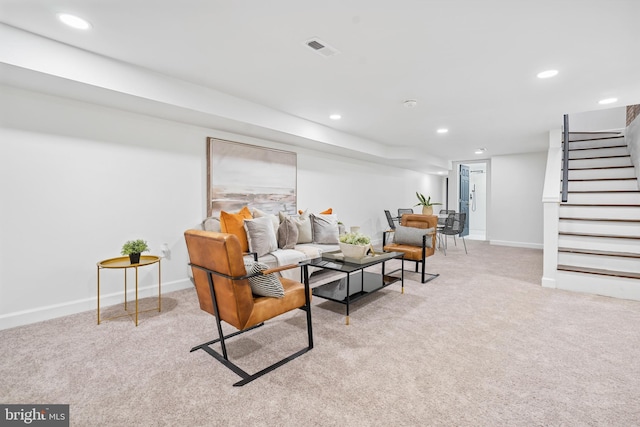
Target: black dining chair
[454, 226]
[390, 220]
[442, 218]
[404, 211]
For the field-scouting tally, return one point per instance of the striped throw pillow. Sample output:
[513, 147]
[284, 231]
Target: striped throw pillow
[266, 285]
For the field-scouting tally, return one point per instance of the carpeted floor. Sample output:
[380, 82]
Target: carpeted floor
[482, 345]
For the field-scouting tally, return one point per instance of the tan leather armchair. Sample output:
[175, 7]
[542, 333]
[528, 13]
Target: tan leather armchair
[223, 290]
[419, 250]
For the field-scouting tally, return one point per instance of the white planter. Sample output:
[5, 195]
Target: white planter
[427, 210]
[353, 251]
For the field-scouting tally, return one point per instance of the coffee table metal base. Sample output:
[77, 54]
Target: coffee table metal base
[355, 285]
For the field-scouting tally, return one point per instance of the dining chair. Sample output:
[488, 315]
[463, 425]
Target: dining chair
[390, 220]
[404, 211]
[454, 226]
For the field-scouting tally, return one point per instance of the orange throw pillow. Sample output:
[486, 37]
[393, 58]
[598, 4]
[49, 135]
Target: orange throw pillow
[327, 212]
[233, 223]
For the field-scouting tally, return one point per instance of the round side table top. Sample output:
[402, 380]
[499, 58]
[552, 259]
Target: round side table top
[123, 261]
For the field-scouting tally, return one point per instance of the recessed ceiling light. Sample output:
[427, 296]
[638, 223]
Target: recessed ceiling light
[442, 130]
[608, 101]
[547, 74]
[480, 150]
[335, 117]
[410, 103]
[74, 21]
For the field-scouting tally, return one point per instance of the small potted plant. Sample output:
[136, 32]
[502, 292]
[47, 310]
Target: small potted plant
[426, 203]
[134, 248]
[354, 245]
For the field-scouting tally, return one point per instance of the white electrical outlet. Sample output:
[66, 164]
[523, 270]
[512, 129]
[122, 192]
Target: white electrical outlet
[164, 251]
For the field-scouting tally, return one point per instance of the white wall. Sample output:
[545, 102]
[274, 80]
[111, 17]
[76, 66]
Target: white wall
[632, 136]
[598, 120]
[77, 180]
[515, 215]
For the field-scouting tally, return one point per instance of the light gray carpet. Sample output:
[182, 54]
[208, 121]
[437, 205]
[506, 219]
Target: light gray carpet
[482, 345]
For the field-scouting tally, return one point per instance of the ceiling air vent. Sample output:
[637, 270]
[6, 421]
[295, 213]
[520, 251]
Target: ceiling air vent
[321, 48]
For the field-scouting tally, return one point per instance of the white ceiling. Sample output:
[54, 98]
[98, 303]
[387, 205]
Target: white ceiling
[470, 64]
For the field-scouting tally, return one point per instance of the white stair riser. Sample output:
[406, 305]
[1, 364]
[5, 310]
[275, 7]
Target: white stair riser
[568, 211]
[600, 163]
[600, 244]
[599, 152]
[600, 227]
[630, 265]
[594, 143]
[616, 287]
[629, 184]
[602, 173]
[605, 198]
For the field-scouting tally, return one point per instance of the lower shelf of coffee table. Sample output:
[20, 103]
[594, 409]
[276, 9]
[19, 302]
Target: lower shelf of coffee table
[337, 290]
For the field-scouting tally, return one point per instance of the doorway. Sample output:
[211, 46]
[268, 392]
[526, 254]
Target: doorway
[473, 200]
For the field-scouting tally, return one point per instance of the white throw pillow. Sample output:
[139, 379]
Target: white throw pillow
[303, 223]
[412, 236]
[261, 235]
[325, 228]
[257, 213]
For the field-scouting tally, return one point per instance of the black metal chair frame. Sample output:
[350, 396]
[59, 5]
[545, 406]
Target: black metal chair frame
[224, 358]
[425, 277]
[390, 220]
[441, 223]
[448, 230]
[402, 211]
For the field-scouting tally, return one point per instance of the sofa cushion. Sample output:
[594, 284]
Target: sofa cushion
[211, 224]
[325, 228]
[257, 213]
[303, 223]
[287, 234]
[266, 285]
[412, 236]
[261, 236]
[233, 223]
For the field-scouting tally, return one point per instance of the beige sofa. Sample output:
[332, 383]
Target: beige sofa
[282, 239]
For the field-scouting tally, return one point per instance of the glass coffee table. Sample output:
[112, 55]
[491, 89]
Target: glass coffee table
[357, 283]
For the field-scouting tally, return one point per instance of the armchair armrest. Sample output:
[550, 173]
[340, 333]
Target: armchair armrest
[281, 268]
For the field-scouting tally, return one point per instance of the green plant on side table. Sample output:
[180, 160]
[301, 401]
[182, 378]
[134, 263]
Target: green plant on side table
[134, 248]
[426, 203]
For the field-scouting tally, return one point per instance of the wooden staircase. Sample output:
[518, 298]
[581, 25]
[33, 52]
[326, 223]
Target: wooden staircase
[599, 225]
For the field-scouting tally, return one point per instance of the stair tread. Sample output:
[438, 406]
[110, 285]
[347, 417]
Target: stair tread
[599, 219]
[600, 205]
[596, 139]
[597, 148]
[612, 236]
[598, 252]
[604, 191]
[600, 167]
[600, 157]
[599, 271]
[631, 178]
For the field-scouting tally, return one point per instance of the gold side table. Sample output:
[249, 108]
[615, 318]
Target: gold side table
[124, 263]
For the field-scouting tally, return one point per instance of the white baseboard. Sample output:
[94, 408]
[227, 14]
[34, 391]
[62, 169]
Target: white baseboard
[549, 282]
[26, 317]
[517, 244]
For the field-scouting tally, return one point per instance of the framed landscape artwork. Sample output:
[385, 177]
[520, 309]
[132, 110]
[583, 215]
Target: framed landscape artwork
[241, 174]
